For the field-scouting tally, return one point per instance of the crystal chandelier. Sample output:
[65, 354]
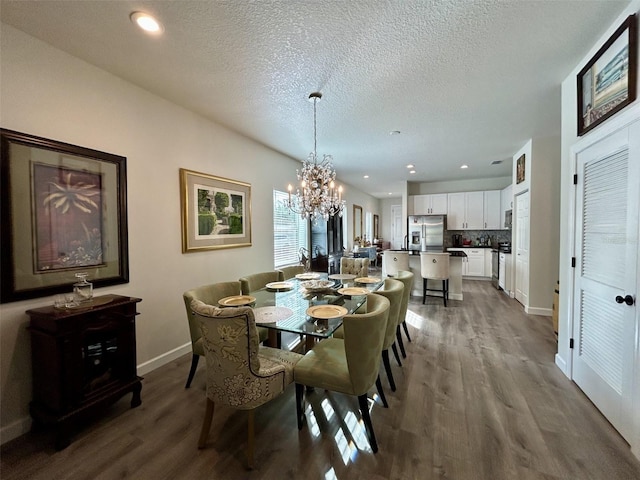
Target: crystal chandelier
[317, 195]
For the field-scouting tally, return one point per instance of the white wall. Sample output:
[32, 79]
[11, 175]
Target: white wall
[48, 93]
[568, 139]
[454, 186]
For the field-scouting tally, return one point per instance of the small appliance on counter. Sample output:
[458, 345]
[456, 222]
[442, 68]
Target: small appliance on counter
[457, 240]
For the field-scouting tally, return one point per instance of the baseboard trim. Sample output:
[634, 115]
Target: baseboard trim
[561, 364]
[160, 360]
[23, 425]
[545, 312]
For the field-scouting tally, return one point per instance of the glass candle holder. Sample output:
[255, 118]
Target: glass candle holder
[83, 289]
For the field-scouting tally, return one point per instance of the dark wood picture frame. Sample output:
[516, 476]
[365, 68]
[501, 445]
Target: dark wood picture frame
[608, 82]
[64, 211]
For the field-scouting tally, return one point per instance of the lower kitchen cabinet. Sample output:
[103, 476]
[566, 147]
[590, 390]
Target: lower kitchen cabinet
[474, 264]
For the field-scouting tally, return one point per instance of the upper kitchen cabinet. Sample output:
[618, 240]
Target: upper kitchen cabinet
[465, 211]
[506, 202]
[435, 204]
[492, 217]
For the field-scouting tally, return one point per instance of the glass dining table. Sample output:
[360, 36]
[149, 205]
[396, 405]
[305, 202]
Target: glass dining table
[314, 308]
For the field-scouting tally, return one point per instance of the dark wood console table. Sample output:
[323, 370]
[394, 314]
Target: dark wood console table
[84, 359]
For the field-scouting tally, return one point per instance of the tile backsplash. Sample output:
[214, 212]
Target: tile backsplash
[494, 236]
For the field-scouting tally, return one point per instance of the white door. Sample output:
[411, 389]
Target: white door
[396, 227]
[522, 248]
[606, 250]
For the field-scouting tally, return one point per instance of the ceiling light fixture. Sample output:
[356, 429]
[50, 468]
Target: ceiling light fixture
[411, 165]
[366, 176]
[394, 132]
[317, 196]
[412, 171]
[464, 166]
[146, 22]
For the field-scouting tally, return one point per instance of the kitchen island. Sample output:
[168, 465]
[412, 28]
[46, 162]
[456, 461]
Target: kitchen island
[393, 258]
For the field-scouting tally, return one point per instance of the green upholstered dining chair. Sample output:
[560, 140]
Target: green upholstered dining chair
[348, 366]
[256, 281]
[355, 266]
[240, 372]
[405, 277]
[209, 294]
[393, 291]
[292, 271]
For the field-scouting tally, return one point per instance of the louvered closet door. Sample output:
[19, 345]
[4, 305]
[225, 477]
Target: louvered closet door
[606, 262]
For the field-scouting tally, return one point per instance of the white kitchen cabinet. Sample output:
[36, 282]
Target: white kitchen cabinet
[465, 211]
[488, 264]
[434, 204]
[473, 263]
[506, 202]
[492, 216]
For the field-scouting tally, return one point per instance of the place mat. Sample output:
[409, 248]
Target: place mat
[342, 276]
[279, 285]
[352, 291]
[236, 300]
[308, 276]
[271, 314]
[327, 311]
[367, 280]
[317, 285]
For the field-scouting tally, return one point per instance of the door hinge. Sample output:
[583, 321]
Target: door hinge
[575, 178]
[573, 262]
[571, 343]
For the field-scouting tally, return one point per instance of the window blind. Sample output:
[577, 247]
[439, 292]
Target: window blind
[289, 232]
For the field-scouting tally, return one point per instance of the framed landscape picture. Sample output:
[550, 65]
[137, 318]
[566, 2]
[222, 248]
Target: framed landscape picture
[607, 83]
[216, 212]
[64, 211]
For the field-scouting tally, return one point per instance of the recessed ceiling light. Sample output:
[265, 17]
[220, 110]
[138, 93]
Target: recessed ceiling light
[412, 171]
[394, 132]
[366, 176]
[411, 165]
[464, 166]
[390, 193]
[146, 22]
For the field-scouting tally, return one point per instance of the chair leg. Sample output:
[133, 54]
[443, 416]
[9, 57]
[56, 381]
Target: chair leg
[192, 370]
[387, 367]
[300, 404]
[206, 424]
[424, 290]
[406, 330]
[250, 435]
[368, 426]
[444, 292]
[400, 343]
[395, 353]
[381, 392]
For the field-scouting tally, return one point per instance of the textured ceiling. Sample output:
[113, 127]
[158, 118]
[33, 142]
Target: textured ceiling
[464, 81]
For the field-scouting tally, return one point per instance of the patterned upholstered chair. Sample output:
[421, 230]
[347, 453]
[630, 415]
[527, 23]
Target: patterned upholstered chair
[208, 294]
[256, 281]
[240, 373]
[355, 266]
[290, 272]
[348, 366]
[405, 277]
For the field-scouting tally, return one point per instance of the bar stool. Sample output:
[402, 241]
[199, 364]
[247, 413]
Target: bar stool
[435, 266]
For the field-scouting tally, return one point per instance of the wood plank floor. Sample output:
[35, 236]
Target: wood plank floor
[479, 397]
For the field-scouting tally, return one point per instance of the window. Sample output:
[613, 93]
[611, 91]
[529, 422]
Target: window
[289, 232]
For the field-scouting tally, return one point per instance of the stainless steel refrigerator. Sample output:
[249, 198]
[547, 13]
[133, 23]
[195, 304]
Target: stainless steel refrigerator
[426, 232]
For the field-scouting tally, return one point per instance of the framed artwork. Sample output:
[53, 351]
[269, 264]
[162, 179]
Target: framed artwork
[216, 212]
[607, 83]
[64, 211]
[520, 169]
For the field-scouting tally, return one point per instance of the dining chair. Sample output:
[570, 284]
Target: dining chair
[393, 291]
[355, 266]
[209, 294]
[435, 266]
[406, 277]
[350, 366]
[240, 372]
[256, 281]
[292, 271]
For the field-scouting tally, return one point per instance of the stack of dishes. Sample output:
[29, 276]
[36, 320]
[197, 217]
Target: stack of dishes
[308, 276]
[317, 285]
